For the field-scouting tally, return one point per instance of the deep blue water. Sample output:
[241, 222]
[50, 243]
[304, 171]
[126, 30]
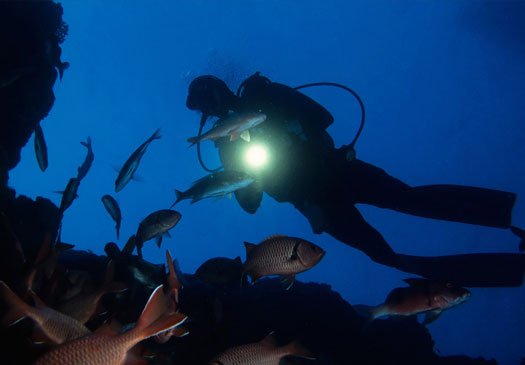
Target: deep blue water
[443, 83]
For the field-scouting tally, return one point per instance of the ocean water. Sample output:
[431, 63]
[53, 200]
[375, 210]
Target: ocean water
[442, 81]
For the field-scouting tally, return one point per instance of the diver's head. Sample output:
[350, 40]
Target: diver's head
[211, 96]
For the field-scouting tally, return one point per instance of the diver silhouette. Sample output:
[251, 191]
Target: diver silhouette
[324, 183]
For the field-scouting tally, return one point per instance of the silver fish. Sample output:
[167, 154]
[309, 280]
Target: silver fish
[281, 255]
[215, 185]
[113, 209]
[156, 225]
[132, 163]
[40, 148]
[234, 126]
[69, 194]
[86, 165]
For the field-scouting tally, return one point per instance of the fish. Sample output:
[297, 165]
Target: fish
[111, 349]
[234, 126]
[113, 209]
[422, 296]
[264, 352]
[52, 325]
[69, 195]
[88, 161]
[82, 307]
[220, 271]
[132, 163]
[214, 185]
[281, 255]
[155, 226]
[40, 148]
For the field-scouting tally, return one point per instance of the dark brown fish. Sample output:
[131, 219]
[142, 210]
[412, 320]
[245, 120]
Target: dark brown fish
[281, 255]
[55, 326]
[113, 209]
[264, 352]
[69, 195]
[88, 161]
[422, 296]
[110, 349]
[220, 271]
[156, 225]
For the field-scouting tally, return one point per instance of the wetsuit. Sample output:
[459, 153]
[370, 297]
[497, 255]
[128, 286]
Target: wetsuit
[306, 170]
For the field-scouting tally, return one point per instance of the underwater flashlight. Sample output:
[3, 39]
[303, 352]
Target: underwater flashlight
[256, 156]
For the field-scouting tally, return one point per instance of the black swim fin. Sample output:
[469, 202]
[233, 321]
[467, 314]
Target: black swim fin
[470, 270]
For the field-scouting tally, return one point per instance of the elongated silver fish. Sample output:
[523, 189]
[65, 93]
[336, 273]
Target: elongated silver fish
[86, 165]
[155, 226]
[215, 185]
[113, 209]
[40, 148]
[264, 352]
[132, 163]
[70, 194]
[281, 255]
[234, 125]
[100, 348]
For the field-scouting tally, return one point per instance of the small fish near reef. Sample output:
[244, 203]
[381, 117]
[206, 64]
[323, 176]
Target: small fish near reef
[88, 161]
[111, 348]
[156, 225]
[69, 195]
[234, 126]
[215, 185]
[220, 271]
[264, 352]
[40, 148]
[281, 255]
[132, 163]
[113, 209]
[422, 296]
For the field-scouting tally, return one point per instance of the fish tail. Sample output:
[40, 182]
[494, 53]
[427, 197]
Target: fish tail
[154, 318]
[173, 279]
[87, 144]
[155, 136]
[179, 195]
[369, 312]
[18, 309]
[297, 349]
[192, 141]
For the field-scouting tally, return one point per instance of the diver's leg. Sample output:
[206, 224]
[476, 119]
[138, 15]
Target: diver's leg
[371, 185]
[347, 225]
[471, 270]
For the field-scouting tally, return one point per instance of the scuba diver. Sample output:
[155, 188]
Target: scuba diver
[325, 183]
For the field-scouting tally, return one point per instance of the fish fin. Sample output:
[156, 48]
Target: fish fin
[179, 195]
[129, 247]
[416, 282]
[431, 316]
[38, 336]
[39, 303]
[134, 359]
[153, 319]
[245, 136]
[167, 234]
[117, 227]
[295, 348]
[274, 236]
[155, 136]
[87, 144]
[106, 329]
[249, 247]
[238, 260]
[179, 331]
[18, 309]
[192, 141]
[109, 285]
[288, 280]
[137, 178]
[269, 340]
[369, 312]
[173, 280]
[158, 241]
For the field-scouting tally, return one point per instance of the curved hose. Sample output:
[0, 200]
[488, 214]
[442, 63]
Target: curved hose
[203, 122]
[361, 104]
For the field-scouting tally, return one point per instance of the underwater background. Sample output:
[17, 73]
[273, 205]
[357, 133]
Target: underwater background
[443, 84]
